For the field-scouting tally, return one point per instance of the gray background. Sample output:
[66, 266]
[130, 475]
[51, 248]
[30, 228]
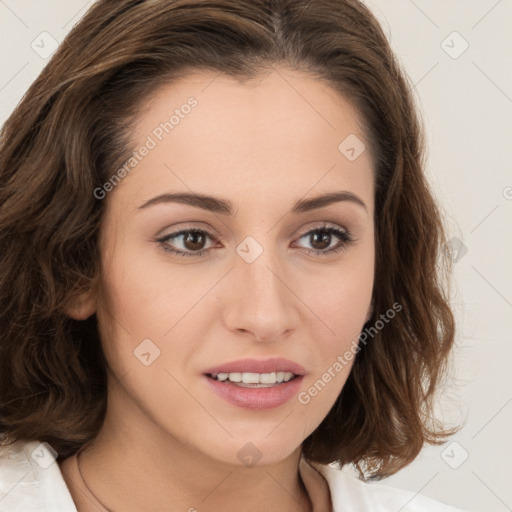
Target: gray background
[465, 96]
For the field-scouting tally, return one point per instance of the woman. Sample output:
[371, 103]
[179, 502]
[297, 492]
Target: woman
[223, 270]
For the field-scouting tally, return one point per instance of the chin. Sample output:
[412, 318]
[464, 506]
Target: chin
[256, 451]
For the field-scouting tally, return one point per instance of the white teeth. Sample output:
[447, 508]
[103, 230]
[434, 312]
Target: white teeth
[268, 378]
[255, 378]
[251, 378]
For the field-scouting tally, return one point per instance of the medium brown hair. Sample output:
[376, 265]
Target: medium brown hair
[69, 134]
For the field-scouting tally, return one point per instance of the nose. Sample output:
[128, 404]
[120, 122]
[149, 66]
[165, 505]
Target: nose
[260, 301]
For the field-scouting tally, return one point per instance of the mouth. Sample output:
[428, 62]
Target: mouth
[256, 384]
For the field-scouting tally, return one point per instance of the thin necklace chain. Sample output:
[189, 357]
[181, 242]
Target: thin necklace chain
[85, 483]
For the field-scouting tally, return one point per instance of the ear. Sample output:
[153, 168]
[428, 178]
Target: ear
[82, 306]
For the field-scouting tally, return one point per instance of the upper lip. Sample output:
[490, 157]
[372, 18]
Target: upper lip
[275, 364]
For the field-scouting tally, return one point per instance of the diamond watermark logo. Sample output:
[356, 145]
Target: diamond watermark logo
[249, 249]
[454, 455]
[454, 45]
[146, 352]
[352, 147]
[44, 455]
[456, 249]
[44, 45]
[249, 455]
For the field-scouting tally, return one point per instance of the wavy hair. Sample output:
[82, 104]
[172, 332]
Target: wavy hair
[69, 133]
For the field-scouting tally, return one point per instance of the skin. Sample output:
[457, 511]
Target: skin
[168, 442]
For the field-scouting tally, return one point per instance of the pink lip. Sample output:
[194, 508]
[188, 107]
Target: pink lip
[274, 364]
[256, 398]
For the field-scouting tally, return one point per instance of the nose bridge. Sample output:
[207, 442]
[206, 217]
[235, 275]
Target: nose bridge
[261, 274]
[261, 301]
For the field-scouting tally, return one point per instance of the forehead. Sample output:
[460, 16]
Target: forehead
[279, 131]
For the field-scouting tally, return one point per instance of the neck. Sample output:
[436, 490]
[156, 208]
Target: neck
[232, 491]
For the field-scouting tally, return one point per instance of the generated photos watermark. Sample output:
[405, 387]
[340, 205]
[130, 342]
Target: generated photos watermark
[343, 360]
[157, 135]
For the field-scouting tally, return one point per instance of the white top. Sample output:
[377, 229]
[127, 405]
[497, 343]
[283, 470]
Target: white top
[31, 480]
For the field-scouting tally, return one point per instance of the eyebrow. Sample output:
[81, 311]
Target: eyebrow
[222, 206]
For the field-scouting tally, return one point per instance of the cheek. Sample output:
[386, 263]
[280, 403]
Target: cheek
[147, 337]
[341, 295]
[149, 306]
[343, 305]
[340, 301]
[145, 292]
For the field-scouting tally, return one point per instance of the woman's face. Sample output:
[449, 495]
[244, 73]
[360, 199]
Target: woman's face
[246, 282]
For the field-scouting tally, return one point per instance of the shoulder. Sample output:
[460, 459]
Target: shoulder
[350, 493]
[30, 479]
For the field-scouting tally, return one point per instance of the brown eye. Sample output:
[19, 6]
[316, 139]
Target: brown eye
[321, 238]
[192, 242]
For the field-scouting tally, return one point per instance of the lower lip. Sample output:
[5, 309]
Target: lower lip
[256, 398]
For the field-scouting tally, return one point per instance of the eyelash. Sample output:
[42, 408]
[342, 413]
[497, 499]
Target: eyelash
[343, 235]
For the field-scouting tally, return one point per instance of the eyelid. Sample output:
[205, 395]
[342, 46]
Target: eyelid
[194, 226]
[323, 225]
